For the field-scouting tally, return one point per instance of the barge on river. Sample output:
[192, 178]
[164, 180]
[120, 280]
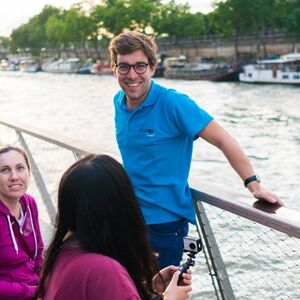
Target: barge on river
[285, 69]
[179, 68]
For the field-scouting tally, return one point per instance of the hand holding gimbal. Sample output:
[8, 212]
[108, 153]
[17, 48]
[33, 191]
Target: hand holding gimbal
[192, 246]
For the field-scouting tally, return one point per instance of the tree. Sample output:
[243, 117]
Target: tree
[176, 20]
[290, 19]
[4, 42]
[79, 28]
[55, 31]
[19, 38]
[232, 18]
[264, 15]
[33, 34]
[236, 17]
[113, 17]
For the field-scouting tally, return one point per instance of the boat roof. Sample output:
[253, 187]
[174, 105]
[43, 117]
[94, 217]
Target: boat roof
[290, 57]
[294, 55]
[73, 59]
[28, 60]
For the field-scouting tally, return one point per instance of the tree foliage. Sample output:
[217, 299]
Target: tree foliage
[291, 15]
[177, 21]
[78, 26]
[33, 34]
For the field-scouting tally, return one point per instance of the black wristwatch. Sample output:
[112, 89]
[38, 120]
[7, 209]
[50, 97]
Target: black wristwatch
[250, 179]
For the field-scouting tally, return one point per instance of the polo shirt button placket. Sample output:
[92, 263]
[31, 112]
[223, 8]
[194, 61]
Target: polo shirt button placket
[127, 125]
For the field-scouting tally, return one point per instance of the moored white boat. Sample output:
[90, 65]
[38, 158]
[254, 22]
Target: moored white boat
[29, 65]
[10, 65]
[70, 65]
[285, 69]
[4, 65]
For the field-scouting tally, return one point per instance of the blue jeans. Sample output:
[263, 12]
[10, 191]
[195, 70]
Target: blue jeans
[166, 239]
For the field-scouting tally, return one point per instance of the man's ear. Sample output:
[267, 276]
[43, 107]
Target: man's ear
[153, 69]
[114, 71]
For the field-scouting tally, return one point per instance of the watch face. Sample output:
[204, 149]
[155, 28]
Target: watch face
[258, 179]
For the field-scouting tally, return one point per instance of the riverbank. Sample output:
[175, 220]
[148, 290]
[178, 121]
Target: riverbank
[246, 48]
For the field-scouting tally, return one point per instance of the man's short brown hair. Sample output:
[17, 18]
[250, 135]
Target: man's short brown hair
[131, 41]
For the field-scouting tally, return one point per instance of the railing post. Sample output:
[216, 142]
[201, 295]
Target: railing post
[38, 179]
[220, 273]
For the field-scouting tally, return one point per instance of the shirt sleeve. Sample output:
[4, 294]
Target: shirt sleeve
[187, 116]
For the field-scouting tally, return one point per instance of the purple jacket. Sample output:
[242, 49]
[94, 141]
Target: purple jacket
[18, 273]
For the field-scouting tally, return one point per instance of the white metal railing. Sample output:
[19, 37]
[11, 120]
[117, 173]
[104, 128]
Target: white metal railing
[258, 233]
[251, 249]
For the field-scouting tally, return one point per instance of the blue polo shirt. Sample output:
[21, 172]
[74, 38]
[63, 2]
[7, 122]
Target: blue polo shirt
[156, 143]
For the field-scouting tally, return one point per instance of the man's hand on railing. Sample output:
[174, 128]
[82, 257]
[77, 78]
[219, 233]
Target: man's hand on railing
[262, 194]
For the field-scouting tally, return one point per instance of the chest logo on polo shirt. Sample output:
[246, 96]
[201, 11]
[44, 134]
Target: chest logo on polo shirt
[150, 132]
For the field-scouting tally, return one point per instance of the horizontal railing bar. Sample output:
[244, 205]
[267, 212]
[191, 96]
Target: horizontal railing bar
[276, 217]
[45, 135]
[279, 218]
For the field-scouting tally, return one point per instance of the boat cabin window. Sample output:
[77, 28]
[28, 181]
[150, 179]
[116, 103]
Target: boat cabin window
[265, 67]
[285, 76]
[249, 74]
[296, 77]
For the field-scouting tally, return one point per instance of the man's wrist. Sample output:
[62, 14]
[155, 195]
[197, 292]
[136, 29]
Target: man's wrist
[251, 179]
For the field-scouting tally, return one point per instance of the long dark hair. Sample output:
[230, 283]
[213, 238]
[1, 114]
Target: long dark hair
[97, 205]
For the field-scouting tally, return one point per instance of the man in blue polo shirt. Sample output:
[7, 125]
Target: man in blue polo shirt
[155, 131]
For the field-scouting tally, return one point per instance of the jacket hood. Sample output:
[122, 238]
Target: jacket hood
[5, 211]
[11, 220]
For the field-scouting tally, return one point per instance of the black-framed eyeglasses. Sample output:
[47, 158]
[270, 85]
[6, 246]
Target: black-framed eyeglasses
[139, 68]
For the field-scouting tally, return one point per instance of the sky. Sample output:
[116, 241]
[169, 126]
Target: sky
[13, 13]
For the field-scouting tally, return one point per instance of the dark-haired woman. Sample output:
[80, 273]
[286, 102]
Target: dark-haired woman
[21, 242]
[100, 248]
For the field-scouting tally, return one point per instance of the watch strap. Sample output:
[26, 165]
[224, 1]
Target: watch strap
[250, 179]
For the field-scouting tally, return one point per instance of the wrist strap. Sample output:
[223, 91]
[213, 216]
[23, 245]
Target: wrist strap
[250, 179]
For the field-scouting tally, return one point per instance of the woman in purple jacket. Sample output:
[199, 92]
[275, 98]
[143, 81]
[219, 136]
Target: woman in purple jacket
[21, 242]
[100, 249]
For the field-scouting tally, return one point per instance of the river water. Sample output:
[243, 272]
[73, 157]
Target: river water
[264, 119]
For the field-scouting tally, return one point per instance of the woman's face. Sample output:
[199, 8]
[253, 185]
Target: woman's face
[14, 176]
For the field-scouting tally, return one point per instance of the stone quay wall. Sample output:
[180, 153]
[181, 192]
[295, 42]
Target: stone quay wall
[249, 47]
